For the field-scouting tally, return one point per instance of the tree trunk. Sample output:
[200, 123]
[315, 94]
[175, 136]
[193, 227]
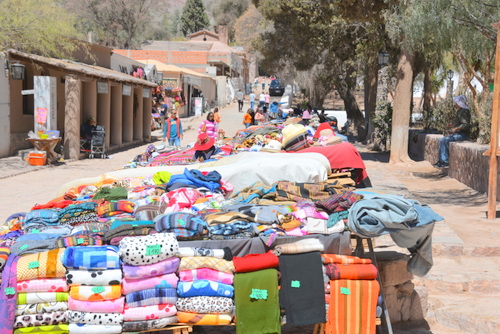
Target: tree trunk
[351, 107]
[371, 79]
[427, 99]
[401, 111]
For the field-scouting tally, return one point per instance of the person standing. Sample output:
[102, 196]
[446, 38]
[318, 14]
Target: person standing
[459, 132]
[251, 97]
[239, 95]
[172, 130]
[268, 99]
[247, 118]
[209, 126]
[262, 100]
[263, 84]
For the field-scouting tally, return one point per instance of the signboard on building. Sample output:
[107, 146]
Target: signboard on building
[170, 84]
[126, 90]
[45, 96]
[102, 87]
[145, 92]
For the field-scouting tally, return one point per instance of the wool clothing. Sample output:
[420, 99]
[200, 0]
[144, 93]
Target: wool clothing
[206, 274]
[130, 230]
[195, 262]
[117, 223]
[108, 209]
[343, 259]
[254, 262]
[161, 177]
[41, 265]
[92, 318]
[148, 312]
[205, 304]
[339, 202]
[148, 249]
[76, 214]
[204, 319]
[194, 177]
[153, 296]
[42, 216]
[234, 228]
[34, 243]
[91, 257]
[146, 325]
[94, 277]
[105, 306]
[43, 285]
[32, 320]
[226, 217]
[161, 281]
[351, 271]
[41, 297]
[183, 224]
[167, 266]
[295, 191]
[80, 240]
[28, 309]
[204, 288]
[111, 194]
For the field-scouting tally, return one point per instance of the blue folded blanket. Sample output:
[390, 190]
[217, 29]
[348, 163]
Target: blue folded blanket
[204, 288]
[149, 297]
[91, 257]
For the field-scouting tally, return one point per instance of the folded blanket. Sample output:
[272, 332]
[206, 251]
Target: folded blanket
[145, 325]
[205, 274]
[205, 304]
[90, 329]
[254, 262]
[8, 295]
[95, 293]
[205, 319]
[43, 285]
[41, 297]
[256, 302]
[130, 230]
[108, 209]
[27, 309]
[302, 289]
[91, 257]
[227, 217]
[34, 243]
[41, 265]
[148, 312]
[42, 216]
[343, 259]
[301, 246]
[32, 320]
[94, 277]
[148, 249]
[53, 329]
[80, 240]
[162, 281]
[188, 263]
[167, 266]
[355, 306]
[76, 214]
[225, 253]
[351, 271]
[93, 227]
[4, 255]
[117, 223]
[92, 318]
[204, 288]
[233, 228]
[154, 296]
[183, 224]
[105, 306]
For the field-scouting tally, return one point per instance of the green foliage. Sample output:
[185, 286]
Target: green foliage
[194, 18]
[227, 12]
[248, 28]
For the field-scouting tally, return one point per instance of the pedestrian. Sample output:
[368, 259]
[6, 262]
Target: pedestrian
[247, 118]
[255, 83]
[459, 132]
[216, 115]
[239, 95]
[209, 126]
[205, 148]
[306, 115]
[262, 100]
[268, 99]
[263, 84]
[172, 130]
[251, 97]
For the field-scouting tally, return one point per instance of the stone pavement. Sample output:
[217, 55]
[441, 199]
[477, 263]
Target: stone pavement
[463, 286]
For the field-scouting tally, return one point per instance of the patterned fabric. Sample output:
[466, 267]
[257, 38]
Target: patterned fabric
[77, 214]
[43, 216]
[53, 329]
[148, 249]
[105, 306]
[26, 309]
[235, 227]
[295, 191]
[182, 198]
[254, 193]
[355, 306]
[41, 297]
[108, 209]
[149, 211]
[205, 274]
[49, 265]
[130, 229]
[162, 281]
[4, 255]
[79, 240]
[98, 329]
[195, 262]
[343, 259]
[167, 266]
[95, 293]
[205, 304]
[148, 324]
[32, 320]
[204, 288]
[226, 217]
[301, 246]
[148, 312]
[8, 301]
[339, 202]
[204, 319]
[43, 285]
[93, 227]
[94, 277]
[92, 318]
[183, 224]
[154, 296]
[92, 257]
[224, 253]
[351, 271]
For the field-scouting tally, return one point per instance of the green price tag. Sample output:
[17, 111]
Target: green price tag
[23, 247]
[135, 225]
[181, 222]
[153, 249]
[258, 294]
[345, 291]
[80, 241]
[98, 289]
[33, 265]
[9, 291]
[35, 231]
[295, 284]
[95, 231]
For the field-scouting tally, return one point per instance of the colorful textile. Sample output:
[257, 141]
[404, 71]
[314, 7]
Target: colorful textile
[92, 318]
[256, 302]
[34, 243]
[301, 246]
[183, 224]
[42, 216]
[8, 295]
[148, 324]
[154, 296]
[95, 293]
[351, 271]
[148, 249]
[233, 228]
[205, 319]
[4, 255]
[204, 288]
[161, 177]
[117, 223]
[205, 304]
[79, 240]
[254, 262]
[108, 209]
[105, 306]
[295, 191]
[43, 285]
[355, 306]
[181, 198]
[76, 214]
[47, 264]
[98, 329]
[343, 259]
[195, 262]
[91, 257]
[93, 227]
[149, 211]
[162, 281]
[27, 309]
[254, 193]
[339, 202]
[52, 329]
[148, 312]
[224, 253]
[32, 320]
[195, 177]
[131, 229]
[167, 266]
[94, 277]
[111, 194]
[206, 274]
[226, 217]
[302, 291]
[41, 297]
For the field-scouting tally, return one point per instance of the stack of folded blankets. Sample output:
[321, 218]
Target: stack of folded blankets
[121, 229]
[42, 293]
[95, 297]
[352, 286]
[205, 287]
[149, 281]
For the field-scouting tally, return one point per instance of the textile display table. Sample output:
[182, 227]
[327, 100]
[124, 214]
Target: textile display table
[46, 145]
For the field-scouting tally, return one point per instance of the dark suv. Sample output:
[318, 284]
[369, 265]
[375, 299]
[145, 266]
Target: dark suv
[276, 88]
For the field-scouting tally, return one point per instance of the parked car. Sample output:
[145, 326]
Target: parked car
[276, 88]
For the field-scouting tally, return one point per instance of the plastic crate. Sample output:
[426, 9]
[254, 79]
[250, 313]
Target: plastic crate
[37, 158]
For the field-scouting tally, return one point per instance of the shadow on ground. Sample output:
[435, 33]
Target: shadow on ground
[375, 156]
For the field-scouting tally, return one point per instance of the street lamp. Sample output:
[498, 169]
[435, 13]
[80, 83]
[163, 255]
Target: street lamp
[17, 70]
[450, 74]
[449, 88]
[383, 58]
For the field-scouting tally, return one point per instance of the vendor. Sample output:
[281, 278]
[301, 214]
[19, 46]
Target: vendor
[87, 128]
[330, 124]
[205, 148]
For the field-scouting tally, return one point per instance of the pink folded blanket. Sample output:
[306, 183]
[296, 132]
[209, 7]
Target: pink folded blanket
[105, 306]
[148, 312]
[167, 266]
[162, 281]
[206, 274]
[43, 285]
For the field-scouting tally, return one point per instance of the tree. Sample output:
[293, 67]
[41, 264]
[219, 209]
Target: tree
[248, 28]
[194, 18]
[227, 12]
[37, 26]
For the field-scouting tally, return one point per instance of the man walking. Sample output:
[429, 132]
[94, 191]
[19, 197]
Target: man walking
[252, 100]
[239, 95]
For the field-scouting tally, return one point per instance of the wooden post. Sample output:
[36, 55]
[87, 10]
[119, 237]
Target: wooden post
[493, 174]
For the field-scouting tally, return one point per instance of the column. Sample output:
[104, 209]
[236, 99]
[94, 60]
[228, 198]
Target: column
[128, 117]
[146, 114]
[138, 113]
[72, 116]
[116, 115]
[104, 112]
